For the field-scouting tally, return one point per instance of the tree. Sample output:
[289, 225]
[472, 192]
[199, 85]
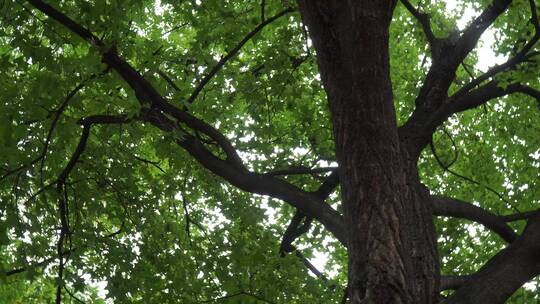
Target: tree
[175, 151]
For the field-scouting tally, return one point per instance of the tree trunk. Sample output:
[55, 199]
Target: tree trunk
[391, 246]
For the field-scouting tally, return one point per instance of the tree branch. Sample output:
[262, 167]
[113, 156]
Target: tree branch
[520, 216]
[452, 282]
[67, 22]
[476, 98]
[448, 54]
[423, 19]
[300, 170]
[309, 203]
[445, 206]
[231, 169]
[507, 271]
[474, 31]
[295, 229]
[233, 53]
[521, 56]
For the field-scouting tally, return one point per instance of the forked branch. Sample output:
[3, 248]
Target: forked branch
[153, 109]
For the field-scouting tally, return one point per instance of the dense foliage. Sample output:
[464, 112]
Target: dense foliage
[134, 218]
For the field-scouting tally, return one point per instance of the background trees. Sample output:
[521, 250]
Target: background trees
[136, 133]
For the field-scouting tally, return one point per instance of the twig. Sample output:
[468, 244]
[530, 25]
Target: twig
[73, 296]
[446, 168]
[231, 54]
[57, 115]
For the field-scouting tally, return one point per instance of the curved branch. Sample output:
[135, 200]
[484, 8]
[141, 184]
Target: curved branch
[300, 170]
[468, 179]
[448, 54]
[477, 97]
[518, 58]
[307, 202]
[507, 271]
[233, 53]
[296, 228]
[231, 169]
[445, 206]
[59, 112]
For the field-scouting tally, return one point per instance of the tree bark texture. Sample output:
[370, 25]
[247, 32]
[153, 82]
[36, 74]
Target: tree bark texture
[392, 253]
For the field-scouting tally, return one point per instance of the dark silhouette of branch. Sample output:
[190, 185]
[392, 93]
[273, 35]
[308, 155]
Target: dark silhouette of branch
[447, 55]
[507, 271]
[73, 296]
[299, 225]
[67, 22]
[520, 57]
[46, 262]
[149, 162]
[301, 170]
[168, 80]
[447, 169]
[423, 19]
[478, 97]
[312, 267]
[59, 112]
[263, 8]
[231, 168]
[233, 53]
[445, 206]
[519, 216]
[474, 31]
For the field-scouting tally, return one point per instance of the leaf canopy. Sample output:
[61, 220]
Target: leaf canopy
[148, 223]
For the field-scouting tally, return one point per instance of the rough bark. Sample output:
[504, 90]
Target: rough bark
[386, 215]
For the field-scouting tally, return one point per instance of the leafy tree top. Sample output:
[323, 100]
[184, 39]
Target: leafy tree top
[99, 183]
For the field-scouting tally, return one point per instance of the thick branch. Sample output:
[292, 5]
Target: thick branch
[295, 229]
[231, 169]
[474, 31]
[520, 216]
[502, 275]
[309, 203]
[476, 98]
[444, 206]
[300, 170]
[66, 21]
[518, 58]
[452, 282]
[448, 54]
